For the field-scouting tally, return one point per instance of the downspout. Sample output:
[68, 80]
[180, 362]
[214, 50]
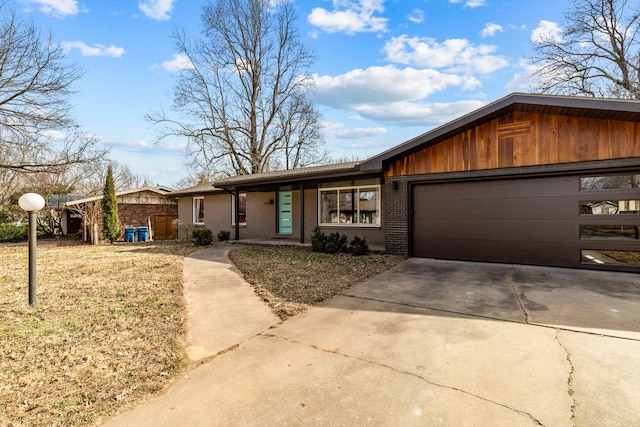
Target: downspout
[236, 208]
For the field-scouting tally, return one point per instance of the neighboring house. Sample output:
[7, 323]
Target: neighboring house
[61, 220]
[506, 183]
[142, 207]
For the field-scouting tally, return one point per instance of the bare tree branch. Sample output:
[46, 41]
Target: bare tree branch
[598, 53]
[37, 132]
[243, 103]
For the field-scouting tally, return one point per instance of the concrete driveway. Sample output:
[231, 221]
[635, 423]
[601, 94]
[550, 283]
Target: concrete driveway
[431, 343]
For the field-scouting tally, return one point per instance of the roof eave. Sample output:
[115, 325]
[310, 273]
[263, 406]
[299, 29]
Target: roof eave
[232, 184]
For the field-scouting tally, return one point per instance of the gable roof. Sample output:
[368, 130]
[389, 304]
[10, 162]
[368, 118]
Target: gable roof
[601, 108]
[160, 190]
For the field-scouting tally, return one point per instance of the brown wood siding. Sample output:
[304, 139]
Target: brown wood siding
[524, 139]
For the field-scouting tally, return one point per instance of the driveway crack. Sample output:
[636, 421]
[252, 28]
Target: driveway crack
[515, 291]
[570, 390]
[315, 347]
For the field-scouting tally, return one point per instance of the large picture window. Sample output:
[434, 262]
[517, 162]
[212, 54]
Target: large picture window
[242, 209]
[349, 206]
[198, 210]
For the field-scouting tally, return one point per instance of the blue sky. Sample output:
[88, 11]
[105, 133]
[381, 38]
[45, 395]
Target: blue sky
[387, 70]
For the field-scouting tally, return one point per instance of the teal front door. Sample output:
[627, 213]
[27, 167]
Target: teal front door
[285, 205]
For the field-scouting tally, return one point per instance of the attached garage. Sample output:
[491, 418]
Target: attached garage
[529, 179]
[543, 221]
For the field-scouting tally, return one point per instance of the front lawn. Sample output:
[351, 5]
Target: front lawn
[107, 331]
[290, 279]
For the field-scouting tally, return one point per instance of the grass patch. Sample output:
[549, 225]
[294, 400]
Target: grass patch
[290, 279]
[107, 331]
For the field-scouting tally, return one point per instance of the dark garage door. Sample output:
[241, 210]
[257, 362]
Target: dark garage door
[539, 221]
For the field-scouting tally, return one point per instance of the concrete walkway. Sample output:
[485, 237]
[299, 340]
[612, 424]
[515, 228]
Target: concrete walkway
[222, 309]
[427, 343]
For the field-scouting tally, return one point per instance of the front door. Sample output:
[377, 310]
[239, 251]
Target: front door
[285, 204]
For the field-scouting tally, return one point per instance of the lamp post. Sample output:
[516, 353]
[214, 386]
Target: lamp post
[32, 203]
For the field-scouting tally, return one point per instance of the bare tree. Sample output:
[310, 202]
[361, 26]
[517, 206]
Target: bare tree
[196, 177]
[597, 54]
[242, 100]
[89, 180]
[37, 131]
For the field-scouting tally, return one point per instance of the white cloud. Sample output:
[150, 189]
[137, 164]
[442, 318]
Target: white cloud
[452, 54]
[179, 62]
[547, 31]
[140, 145]
[394, 96]
[490, 29]
[54, 135]
[58, 8]
[523, 80]
[350, 17]
[418, 113]
[470, 3]
[160, 10]
[416, 16]
[336, 130]
[382, 85]
[97, 50]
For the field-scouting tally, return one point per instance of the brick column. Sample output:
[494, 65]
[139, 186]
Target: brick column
[396, 215]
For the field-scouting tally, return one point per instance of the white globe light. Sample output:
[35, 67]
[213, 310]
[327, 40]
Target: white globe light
[31, 202]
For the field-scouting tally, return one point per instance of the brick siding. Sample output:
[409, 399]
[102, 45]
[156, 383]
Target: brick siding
[396, 208]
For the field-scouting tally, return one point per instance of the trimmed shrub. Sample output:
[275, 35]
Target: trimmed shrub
[318, 240]
[335, 243]
[224, 235]
[13, 233]
[202, 236]
[359, 246]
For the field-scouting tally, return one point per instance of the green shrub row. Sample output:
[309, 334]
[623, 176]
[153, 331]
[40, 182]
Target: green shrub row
[204, 236]
[332, 243]
[336, 243]
[13, 233]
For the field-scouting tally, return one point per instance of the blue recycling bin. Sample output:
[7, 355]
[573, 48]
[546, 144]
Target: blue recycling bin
[129, 234]
[143, 234]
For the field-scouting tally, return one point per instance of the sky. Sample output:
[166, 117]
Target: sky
[387, 70]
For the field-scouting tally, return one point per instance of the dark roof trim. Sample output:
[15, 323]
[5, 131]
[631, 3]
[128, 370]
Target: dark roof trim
[291, 176]
[615, 109]
[197, 190]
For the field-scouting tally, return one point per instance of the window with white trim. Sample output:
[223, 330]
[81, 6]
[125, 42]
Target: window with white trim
[198, 210]
[242, 209]
[349, 206]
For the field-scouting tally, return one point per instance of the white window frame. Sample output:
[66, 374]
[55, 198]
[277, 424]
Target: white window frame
[358, 188]
[233, 210]
[195, 210]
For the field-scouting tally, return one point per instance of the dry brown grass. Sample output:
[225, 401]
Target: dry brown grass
[107, 330]
[290, 279]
